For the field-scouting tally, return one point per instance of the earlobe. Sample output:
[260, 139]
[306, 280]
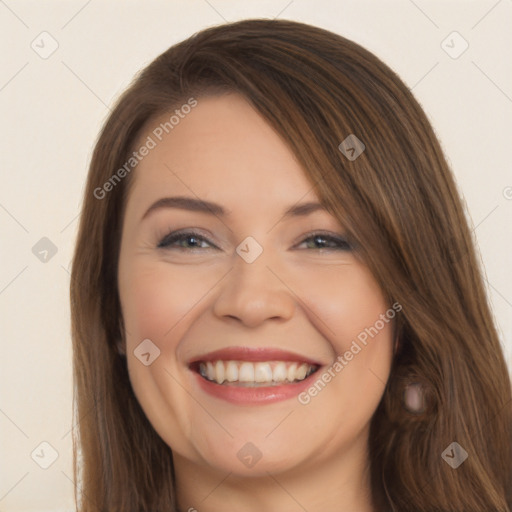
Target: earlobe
[414, 398]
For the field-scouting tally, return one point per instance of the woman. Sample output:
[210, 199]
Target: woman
[225, 357]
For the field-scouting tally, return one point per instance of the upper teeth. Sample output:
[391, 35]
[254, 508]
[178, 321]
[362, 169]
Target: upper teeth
[245, 371]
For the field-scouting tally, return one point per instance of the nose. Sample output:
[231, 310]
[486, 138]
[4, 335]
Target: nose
[252, 293]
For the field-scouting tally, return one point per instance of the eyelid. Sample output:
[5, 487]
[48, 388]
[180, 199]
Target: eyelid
[183, 233]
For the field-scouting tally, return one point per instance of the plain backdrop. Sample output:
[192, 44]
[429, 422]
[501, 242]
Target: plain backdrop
[53, 106]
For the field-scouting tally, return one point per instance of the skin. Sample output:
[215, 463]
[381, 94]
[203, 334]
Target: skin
[199, 296]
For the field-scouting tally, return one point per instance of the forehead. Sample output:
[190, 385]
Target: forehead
[222, 148]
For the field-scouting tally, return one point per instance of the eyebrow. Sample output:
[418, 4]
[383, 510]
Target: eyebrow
[203, 206]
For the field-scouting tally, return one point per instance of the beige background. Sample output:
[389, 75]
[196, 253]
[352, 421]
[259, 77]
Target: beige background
[52, 109]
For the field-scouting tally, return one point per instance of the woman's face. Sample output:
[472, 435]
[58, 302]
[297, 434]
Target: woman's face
[251, 288]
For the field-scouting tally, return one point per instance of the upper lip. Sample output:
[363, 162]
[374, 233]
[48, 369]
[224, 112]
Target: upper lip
[253, 354]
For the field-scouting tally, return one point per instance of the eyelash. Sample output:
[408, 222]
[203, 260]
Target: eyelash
[168, 240]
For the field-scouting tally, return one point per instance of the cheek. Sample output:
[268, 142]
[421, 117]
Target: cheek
[156, 298]
[158, 303]
[344, 302]
[345, 305]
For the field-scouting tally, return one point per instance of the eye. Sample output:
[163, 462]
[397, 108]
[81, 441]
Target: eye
[170, 240]
[193, 240]
[336, 243]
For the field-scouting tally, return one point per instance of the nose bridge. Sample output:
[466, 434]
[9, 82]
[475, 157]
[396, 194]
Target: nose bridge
[252, 290]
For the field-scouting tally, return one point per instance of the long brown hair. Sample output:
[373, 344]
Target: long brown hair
[399, 204]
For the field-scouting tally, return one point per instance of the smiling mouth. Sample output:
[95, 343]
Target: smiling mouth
[253, 374]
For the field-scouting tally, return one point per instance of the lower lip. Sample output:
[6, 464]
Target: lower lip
[253, 396]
